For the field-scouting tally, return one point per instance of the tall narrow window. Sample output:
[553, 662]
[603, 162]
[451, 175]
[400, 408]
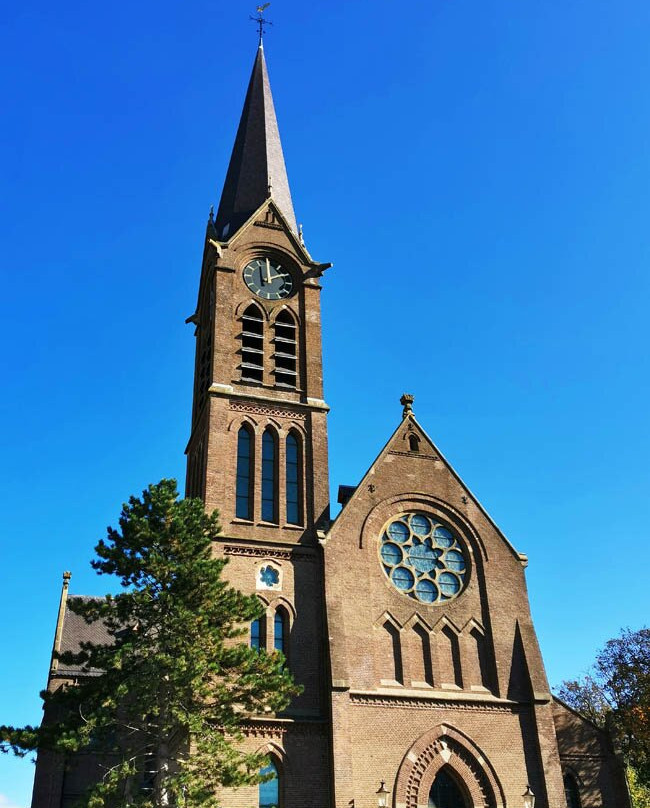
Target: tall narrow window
[285, 350]
[252, 345]
[269, 477]
[257, 633]
[293, 478]
[281, 631]
[269, 793]
[571, 792]
[244, 503]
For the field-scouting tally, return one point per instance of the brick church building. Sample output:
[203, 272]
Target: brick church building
[406, 619]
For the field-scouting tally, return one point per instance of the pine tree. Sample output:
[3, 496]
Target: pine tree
[164, 699]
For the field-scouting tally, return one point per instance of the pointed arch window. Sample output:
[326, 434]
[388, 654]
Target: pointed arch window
[293, 456]
[244, 484]
[252, 345]
[284, 354]
[571, 791]
[269, 476]
[269, 791]
[258, 638]
[281, 631]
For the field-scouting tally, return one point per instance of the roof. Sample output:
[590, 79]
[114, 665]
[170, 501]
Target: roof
[256, 169]
[75, 631]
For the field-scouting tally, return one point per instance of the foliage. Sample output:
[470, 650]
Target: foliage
[616, 694]
[639, 793]
[169, 690]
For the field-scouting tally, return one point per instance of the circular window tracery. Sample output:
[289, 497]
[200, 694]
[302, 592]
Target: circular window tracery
[423, 558]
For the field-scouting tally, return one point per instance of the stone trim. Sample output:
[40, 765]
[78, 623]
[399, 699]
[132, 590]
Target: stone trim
[433, 703]
[445, 746]
[267, 552]
[260, 409]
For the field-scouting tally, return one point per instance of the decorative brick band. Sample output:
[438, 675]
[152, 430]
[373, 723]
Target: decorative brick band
[260, 409]
[414, 454]
[268, 552]
[414, 703]
[278, 729]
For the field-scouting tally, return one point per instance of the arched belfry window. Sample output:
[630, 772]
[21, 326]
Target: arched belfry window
[293, 458]
[244, 495]
[269, 476]
[284, 350]
[252, 345]
[571, 791]
[281, 631]
[445, 792]
[269, 791]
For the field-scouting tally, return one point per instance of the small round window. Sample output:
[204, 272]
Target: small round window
[423, 558]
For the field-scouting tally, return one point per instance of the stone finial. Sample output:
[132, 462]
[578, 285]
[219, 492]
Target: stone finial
[211, 216]
[407, 402]
[301, 238]
[66, 578]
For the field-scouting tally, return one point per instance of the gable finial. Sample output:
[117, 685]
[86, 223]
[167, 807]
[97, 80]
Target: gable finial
[407, 402]
[261, 21]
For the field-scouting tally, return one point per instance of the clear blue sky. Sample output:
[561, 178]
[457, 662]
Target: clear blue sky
[479, 173]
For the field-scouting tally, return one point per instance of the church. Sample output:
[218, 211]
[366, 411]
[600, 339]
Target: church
[405, 619]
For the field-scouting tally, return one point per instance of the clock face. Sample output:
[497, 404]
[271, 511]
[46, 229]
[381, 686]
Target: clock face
[268, 279]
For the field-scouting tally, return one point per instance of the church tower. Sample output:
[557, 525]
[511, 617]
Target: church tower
[258, 445]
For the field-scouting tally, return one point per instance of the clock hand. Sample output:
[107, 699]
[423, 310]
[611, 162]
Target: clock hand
[268, 271]
[279, 275]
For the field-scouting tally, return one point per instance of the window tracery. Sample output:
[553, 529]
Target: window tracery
[423, 558]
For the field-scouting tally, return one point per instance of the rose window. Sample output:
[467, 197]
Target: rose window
[423, 558]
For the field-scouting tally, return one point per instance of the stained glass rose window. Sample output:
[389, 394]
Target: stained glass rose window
[423, 558]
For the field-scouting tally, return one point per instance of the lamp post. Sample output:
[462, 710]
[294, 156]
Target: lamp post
[529, 797]
[382, 795]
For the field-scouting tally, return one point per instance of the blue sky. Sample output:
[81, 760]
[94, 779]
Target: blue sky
[479, 173]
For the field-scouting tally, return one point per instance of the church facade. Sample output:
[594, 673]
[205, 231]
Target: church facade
[406, 619]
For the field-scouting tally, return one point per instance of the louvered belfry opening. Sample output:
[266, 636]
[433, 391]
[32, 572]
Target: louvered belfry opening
[252, 345]
[285, 350]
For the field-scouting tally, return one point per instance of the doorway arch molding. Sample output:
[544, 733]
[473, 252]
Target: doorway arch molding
[446, 746]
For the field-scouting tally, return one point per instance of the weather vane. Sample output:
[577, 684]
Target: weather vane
[261, 22]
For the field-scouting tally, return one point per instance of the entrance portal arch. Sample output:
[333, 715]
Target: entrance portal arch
[446, 758]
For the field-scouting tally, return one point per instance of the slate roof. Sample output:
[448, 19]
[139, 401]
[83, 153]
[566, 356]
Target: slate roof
[257, 160]
[75, 631]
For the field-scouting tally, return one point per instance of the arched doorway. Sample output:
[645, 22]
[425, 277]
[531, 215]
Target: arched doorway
[445, 792]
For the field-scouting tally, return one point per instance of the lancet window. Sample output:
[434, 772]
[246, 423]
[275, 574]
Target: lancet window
[269, 476]
[293, 459]
[258, 638]
[269, 790]
[244, 493]
[281, 631]
[571, 791]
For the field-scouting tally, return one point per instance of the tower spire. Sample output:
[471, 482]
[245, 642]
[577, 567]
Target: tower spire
[256, 170]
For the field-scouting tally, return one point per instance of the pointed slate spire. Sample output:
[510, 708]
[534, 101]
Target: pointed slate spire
[256, 169]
